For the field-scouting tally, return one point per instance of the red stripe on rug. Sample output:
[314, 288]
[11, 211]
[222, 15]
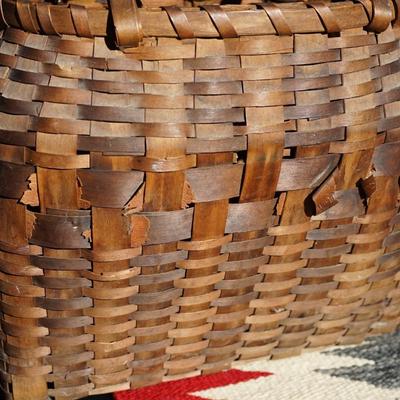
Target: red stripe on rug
[181, 388]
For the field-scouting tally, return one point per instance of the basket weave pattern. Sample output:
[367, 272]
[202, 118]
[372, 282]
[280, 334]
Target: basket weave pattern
[226, 190]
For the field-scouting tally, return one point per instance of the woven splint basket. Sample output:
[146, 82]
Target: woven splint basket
[185, 187]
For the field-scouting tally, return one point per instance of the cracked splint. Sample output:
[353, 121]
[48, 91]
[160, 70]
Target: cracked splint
[30, 221]
[139, 228]
[31, 196]
[368, 184]
[135, 203]
[324, 196]
[82, 203]
[87, 234]
[188, 195]
[281, 203]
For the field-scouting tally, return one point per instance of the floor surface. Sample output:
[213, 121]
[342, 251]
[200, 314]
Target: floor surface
[369, 371]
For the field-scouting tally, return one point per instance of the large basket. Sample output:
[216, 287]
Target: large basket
[184, 188]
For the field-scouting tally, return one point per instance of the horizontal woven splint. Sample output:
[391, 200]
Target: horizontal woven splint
[187, 186]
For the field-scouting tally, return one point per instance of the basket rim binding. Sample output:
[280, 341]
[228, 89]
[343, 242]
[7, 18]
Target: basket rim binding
[132, 24]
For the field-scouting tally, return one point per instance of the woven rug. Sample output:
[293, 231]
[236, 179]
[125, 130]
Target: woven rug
[370, 371]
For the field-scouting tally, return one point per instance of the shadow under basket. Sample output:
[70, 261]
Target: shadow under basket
[186, 187]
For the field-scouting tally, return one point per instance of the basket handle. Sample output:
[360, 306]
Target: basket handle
[125, 17]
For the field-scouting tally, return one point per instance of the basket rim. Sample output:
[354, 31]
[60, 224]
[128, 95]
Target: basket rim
[93, 19]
